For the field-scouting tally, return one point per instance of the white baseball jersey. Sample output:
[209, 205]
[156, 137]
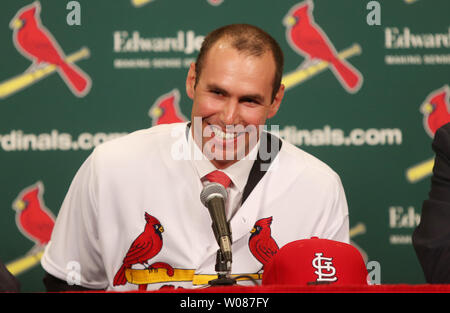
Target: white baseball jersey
[132, 217]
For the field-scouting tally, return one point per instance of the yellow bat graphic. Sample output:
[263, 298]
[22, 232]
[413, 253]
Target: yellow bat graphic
[24, 263]
[140, 277]
[420, 171]
[139, 3]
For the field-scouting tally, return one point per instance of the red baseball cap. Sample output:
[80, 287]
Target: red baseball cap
[316, 261]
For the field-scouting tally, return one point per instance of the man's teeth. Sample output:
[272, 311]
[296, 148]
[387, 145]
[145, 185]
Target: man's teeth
[219, 133]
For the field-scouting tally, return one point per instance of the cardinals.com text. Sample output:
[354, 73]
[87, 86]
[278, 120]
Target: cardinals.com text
[328, 136]
[18, 140]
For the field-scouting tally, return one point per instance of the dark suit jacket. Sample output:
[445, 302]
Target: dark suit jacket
[431, 239]
[8, 283]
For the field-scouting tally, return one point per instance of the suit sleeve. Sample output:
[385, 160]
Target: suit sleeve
[431, 238]
[73, 253]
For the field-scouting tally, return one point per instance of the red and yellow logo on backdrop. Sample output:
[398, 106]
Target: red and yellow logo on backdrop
[166, 109]
[436, 113]
[35, 221]
[37, 44]
[308, 40]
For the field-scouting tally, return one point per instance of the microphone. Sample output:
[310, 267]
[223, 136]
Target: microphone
[213, 196]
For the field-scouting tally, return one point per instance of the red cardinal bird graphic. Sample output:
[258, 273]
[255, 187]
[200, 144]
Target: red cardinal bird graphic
[33, 219]
[146, 246]
[309, 40]
[436, 110]
[215, 2]
[261, 244]
[36, 43]
[166, 109]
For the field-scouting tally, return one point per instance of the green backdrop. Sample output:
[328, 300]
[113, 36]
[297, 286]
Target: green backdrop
[136, 53]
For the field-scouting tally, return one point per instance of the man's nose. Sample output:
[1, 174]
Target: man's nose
[230, 112]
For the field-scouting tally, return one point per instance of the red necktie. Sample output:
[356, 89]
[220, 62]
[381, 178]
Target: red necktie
[219, 177]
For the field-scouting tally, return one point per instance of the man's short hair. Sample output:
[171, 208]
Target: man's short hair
[247, 39]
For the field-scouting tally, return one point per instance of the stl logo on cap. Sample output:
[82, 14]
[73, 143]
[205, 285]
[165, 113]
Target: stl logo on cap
[325, 269]
[316, 261]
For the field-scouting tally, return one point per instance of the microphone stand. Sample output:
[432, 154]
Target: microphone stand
[223, 269]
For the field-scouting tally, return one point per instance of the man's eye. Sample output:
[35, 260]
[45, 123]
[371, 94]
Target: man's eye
[249, 100]
[217, 92]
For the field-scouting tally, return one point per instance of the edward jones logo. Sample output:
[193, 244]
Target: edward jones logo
[186, 42]
[406, 39]
[183, 42]
[402, 220]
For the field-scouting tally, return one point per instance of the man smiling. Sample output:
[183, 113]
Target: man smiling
[235, 86]
[132, 199]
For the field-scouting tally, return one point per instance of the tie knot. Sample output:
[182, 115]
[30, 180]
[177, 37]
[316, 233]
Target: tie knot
[219, 177]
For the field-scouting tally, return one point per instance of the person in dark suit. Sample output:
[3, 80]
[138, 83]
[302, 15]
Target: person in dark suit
[8, 282]
[431, 238]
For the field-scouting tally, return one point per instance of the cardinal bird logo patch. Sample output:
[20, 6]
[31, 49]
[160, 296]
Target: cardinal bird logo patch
[144, 248]
[436, 110]
[36, 43]
[261, 244]
[33, 218]
[308, 40]
[166, 109]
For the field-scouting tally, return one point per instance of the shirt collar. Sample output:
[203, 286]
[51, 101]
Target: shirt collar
[238, 172]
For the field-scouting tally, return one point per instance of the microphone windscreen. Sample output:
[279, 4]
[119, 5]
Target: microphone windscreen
[211, 189]
[316, 261]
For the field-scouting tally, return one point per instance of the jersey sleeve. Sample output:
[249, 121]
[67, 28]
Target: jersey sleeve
[73, 253]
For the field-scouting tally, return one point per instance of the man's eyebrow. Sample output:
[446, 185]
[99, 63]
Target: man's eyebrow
[254, 97]
[216, 88]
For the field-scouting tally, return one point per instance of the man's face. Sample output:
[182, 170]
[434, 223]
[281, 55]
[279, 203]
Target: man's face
[232, 98]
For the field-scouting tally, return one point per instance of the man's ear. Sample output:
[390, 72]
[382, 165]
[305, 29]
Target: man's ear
[275, 105]
[190, 81]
